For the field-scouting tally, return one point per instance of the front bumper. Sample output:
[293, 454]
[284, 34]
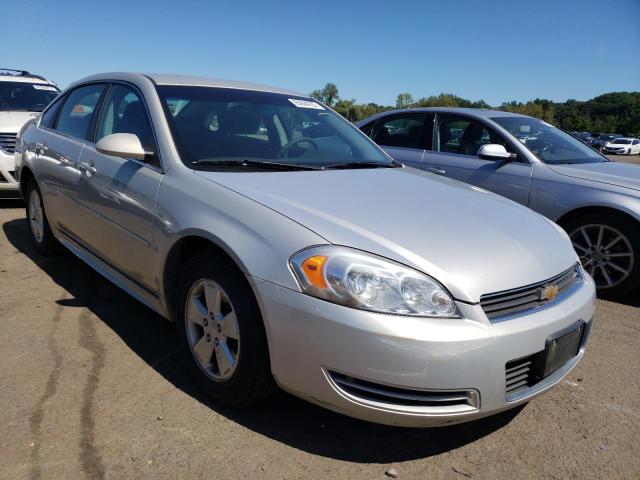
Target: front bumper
[9, 187]
[318, 349]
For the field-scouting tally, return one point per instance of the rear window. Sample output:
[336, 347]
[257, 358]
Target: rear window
[22, 96]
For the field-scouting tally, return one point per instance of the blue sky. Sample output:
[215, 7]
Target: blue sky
[495, 50]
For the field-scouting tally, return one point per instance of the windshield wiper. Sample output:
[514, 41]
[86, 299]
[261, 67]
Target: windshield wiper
[255, 164]
[347, 165]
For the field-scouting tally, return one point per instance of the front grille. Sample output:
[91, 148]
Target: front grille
[8, 142]
[401, 397]
[519, 374]
[521, 300]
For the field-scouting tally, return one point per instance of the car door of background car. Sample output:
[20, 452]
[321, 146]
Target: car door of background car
[635, 146]
[456, 140]
[62, 135]
[403, 136]
[122, 192]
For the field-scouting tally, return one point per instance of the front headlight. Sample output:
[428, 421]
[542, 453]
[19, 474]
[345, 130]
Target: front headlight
[361, 280]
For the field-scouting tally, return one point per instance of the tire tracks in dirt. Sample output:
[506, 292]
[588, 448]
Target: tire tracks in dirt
[37, 415]
[90, 458]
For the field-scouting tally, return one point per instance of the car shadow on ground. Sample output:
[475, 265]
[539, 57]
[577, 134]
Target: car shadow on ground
[283, 417]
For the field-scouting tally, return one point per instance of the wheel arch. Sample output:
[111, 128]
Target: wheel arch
[186, 246]
[25, 176]
[596, 209]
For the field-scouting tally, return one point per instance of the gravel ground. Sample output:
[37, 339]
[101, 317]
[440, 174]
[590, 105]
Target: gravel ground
[92, 388]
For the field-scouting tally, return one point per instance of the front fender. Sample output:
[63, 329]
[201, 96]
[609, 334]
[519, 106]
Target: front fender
[257, 238]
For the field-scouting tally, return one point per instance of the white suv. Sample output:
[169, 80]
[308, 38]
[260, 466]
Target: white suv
[22, 97]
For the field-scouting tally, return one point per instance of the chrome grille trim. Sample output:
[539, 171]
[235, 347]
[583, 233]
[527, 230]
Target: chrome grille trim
[8, 142]
[395, 397]
[521, 301]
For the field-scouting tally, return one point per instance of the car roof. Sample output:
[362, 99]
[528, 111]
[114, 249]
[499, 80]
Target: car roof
[23, 79]
[474, 112]
[168, 79]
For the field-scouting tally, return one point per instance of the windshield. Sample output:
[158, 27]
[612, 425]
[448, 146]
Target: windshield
[621, 141]
[32, 97]
[219, 128]
[548, 143]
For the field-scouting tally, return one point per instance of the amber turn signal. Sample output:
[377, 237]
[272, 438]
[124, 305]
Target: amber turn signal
[313, 268]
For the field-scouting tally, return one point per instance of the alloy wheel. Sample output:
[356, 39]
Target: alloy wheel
[604, 252]
[212, 329]
[36, 216]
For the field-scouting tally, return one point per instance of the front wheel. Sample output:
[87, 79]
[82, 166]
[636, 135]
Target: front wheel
[221, 332]
[609, 248]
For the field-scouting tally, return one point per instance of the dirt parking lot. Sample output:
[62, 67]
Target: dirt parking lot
[91, 387]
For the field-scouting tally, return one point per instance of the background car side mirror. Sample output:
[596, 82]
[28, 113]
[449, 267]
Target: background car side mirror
[494, 151]
[123, 145]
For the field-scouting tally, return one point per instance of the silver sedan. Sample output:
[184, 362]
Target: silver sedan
[290, 250]
[595, 200]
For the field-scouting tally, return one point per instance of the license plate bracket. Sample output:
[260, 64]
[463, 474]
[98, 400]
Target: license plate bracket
[559, 348]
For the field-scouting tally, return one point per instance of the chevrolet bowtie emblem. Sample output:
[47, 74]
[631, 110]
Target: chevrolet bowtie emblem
[549, 292]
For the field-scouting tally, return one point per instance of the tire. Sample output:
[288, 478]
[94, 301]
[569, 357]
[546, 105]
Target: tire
[41, 235]
[623, 252]
[249, 379]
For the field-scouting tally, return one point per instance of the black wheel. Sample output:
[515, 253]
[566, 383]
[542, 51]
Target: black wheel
[221, 332]
[41, 235]
[608, 245]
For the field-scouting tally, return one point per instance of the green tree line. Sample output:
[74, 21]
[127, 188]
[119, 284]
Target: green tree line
[616, 112]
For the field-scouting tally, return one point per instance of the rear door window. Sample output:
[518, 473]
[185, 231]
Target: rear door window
[49, 115]
[405, 131]
[78, 111]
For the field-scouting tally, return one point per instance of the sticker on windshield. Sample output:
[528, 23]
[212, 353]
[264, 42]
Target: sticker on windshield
[306, 104]
[45, 87]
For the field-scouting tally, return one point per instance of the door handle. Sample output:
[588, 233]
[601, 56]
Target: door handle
[64, 161]
[89, 168]
[437, 171]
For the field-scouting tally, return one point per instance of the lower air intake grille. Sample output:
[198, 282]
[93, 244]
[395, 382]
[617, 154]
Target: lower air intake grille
[519, 374]
[8, 142]
[394, 396]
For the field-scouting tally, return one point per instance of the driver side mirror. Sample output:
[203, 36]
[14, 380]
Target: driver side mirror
[494, 151]
[123, 145]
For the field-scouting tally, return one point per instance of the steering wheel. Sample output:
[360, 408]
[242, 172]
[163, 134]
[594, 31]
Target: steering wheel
[284, 151]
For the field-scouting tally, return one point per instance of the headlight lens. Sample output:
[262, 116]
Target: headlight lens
[361, 280]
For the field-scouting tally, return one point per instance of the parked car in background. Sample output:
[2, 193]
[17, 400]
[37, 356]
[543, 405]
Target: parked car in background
[584, 137]
[622, 146]
[602, 138]
[304, 254]
[22, 97]
[595, 200]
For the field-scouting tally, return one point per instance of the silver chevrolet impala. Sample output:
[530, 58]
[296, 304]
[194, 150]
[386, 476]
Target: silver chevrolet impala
[290, 250]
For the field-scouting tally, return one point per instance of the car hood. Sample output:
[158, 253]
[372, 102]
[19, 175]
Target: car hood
[12, 122]
[472, 241]
[613, 173]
